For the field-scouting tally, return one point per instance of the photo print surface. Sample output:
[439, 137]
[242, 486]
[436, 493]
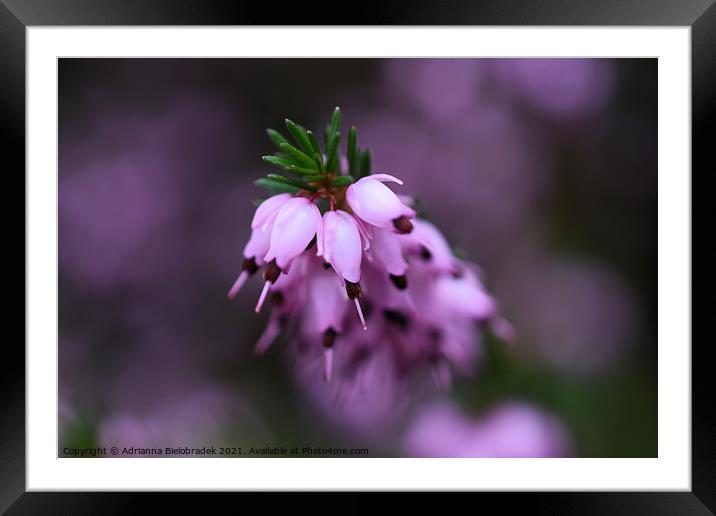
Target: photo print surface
[357, 257]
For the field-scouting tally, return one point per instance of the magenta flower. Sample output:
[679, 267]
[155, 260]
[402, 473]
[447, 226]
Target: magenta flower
[420, 308]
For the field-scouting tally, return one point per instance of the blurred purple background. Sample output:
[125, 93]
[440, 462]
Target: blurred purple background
[543, 171]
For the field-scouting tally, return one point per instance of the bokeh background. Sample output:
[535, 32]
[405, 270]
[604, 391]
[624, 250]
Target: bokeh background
[543, 171]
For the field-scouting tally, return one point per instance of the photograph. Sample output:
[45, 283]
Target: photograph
[357, 257]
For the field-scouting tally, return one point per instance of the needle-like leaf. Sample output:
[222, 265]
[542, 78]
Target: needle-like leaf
[276, 137]
[301, 159]
[300, 135]
[352, 150]
[277, 186]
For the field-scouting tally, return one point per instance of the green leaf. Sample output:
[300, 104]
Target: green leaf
[277, 161]
[317, 177]
[275, 185]
[342, 181]
[318, 159]
[298, 157]
[301, 171]
[333, 154]
[364, 163]
[352, 150]
[299, 134]
[314, 142]
[290, 181]
[276, 137]
[335, 125]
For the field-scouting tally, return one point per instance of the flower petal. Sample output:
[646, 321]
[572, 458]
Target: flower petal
[342, 244]
[296, 223]
[267, 210]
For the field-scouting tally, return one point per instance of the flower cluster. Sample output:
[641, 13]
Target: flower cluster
[332, 239]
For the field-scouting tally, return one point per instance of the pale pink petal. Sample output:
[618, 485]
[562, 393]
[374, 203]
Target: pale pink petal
[428, 236]
[386, 178]
[387, 253]
[296, 223]
[326, 303]
[366, 232]
[342, 244]
[267, 210]
[258, 245]
[375, 203]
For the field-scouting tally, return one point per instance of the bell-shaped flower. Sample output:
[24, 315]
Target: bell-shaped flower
[339, 243]
[295, 225]
[293, 229]
[463, 296]
[386, 252]
[267, 211]
[427, 242]
[324, 314]
[378, 205]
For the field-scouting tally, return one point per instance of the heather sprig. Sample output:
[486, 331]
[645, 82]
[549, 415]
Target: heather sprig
[308, 168]
[334, 235]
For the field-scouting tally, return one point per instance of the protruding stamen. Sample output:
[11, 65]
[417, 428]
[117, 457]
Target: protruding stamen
[263, 295]
[238, 284]
[403, 224]
[327, 364]
[360, 313]
[267, 337]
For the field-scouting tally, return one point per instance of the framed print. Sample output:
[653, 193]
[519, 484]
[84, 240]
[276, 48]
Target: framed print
[447, 248]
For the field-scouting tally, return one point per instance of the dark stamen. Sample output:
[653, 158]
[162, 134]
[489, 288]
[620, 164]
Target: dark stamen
[396, 317]
[272, 271]
[249, 266]
[353, 290]
[425, 253]
[403, 224]
[326, 265]
[329, 338]
[400, 282]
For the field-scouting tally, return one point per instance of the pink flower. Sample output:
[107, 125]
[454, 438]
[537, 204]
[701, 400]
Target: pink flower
[325, 311]
[378, 205]
[386, 252]
[428, 243]
[513, 429]
[267, 211]
[340, 244]
[423, 302]
[295, 225]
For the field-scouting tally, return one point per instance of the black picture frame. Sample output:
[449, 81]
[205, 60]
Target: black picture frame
[17, 15]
